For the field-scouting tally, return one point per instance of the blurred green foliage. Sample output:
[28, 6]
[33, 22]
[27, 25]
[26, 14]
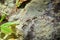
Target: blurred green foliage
[6, 27]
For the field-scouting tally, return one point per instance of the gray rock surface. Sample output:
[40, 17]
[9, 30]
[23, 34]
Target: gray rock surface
[38, 21]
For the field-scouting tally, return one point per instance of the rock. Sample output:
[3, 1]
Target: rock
[40, 22]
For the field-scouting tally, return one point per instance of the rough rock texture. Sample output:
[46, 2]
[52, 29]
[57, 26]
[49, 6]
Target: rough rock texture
[39, 20]
[40, 23]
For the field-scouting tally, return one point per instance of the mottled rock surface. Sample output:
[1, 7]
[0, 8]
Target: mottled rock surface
[39, 19]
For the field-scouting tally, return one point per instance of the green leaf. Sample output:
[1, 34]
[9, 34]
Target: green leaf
[2, 18]
[5, 27]
[6, 30]
[17, 3]
[9, 24]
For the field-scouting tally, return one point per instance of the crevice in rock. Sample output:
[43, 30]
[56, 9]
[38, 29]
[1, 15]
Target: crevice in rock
[2, 1]
[24, 4]
[30, 34]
